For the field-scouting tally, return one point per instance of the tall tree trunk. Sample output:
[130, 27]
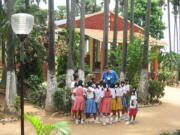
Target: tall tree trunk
[179, 28]
[82, 42]
[132, 22]
[51, 76]
[176, 25]
[94, 8]
[122, 6]
[38, 3]
[143, 93]
[3, 62]
[169, 27]
[70, 63]
[11, 76]
[27, 4]
[77, 8]
[174, 34]
[125, 30]
[67, 14]
[115, 32]
[106, 29]
[0, 3]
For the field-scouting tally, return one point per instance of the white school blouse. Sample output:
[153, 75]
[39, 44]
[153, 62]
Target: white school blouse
[133, 99]
[74, 89]
[97, 95]
[127, 88]
[113, 92]
[91, 93]
[119, 92]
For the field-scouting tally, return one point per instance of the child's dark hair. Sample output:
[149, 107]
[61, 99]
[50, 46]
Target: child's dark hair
[80, 83]
[76, 85]
[112, 85]
[122, 82]
[117, 84]
[89, 84]
[104, 84]
[133, 93]
[101, 83]
[97, 85]
[134, 88]
[76, 76]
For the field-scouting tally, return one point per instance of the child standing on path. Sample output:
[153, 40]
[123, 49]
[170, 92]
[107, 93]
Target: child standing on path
[105, 105]
[79, 104]
[124, 102]
[119, 94]
[73, 87]
[133, 109]
[97, 100]
[90, 103]
[113, 102]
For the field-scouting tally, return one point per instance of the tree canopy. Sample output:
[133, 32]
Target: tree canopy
[157, 25]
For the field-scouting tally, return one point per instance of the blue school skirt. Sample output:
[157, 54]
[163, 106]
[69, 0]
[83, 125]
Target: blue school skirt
[124, 102]
[90, 106]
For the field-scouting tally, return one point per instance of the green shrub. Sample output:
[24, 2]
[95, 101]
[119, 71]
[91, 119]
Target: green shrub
[163, 76]
[61, 80]
[156, 90]
[17, 103]
[62, 99]
[175, 133]
[37, 91]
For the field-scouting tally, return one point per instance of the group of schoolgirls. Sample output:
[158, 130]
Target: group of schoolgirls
[99, 100]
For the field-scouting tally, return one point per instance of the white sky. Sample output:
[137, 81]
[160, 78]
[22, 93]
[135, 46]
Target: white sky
[112, 5]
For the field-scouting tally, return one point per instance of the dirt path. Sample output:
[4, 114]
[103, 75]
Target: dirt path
[150, 121]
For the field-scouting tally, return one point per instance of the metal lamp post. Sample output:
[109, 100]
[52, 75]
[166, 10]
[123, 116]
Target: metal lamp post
[22, 25]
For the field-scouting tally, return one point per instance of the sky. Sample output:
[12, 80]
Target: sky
[112, 5]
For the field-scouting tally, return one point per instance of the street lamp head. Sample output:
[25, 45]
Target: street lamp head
[22, 23]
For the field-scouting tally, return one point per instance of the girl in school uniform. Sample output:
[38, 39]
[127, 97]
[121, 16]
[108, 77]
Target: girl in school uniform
[133, 109]
[135, 91]
[79, 103]
[97, 100]
[73, 87]
[90, 103]
[124, 102]
[105, 105]
[113, 102]
[119, 94]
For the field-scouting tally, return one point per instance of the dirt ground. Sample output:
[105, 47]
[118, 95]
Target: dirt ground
[150, 120]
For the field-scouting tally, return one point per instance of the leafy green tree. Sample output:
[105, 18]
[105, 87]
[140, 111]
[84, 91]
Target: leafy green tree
[157, 25]
[92, 7]
[62, 49]
[134, 60]
[60, 13]
[38, 2]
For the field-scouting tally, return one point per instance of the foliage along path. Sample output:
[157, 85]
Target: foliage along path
[150, 120]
